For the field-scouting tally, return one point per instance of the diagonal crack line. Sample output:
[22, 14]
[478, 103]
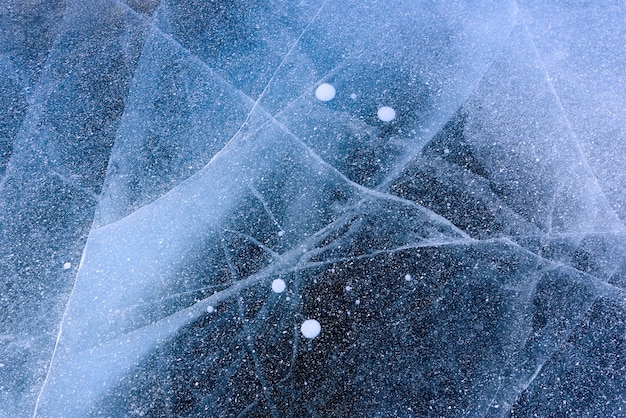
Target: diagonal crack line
[379, 194]
[194, 58]
[274, 118]
[275, 121]
[255, 103]
[602, 287]
[573, 136]
[546, 358]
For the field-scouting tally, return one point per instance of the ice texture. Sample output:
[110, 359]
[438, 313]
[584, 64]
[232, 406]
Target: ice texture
[313, 208]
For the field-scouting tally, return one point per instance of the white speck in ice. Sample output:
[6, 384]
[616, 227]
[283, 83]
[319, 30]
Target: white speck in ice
[353, 96]
[446, 151]
[325, 92]
[407, 277]
[386, 114]
[357, 302]
[281, 233]
[67, 265]
[348, 288]
[278, 285]
[310, 328]
[210, 309]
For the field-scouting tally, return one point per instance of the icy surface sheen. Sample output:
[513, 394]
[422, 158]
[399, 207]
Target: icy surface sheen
[314, 208]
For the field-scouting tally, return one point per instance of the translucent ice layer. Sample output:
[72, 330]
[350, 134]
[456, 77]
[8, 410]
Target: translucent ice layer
[314, 208]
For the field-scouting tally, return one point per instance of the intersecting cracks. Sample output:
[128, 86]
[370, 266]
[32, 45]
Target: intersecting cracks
[299, 258]
[273, 119]
[573, 137]
[541, 361]
[267, 208]
[255, 103]
[602, 287]
[378, 192]
[251, 326]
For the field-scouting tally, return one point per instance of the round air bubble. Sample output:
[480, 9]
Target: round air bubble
[353, 96]
[67, 265]
[386, 114]
[325, 92]
[310, 328]
[279, 286]
[210, 309]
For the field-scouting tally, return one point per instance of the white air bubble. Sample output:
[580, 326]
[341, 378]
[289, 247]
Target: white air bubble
[407, 277]
[67, 266]
[353, 96]
[310, 328]
[210, 309]
[325, 92]
[386, 114]
[279, 285]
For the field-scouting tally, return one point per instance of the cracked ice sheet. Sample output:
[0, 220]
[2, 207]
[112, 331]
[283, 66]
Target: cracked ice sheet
[132, 264]
[582, 47]
[525, 177]
[508, 164]
[131, 290]
[58, 151]
[158, 350]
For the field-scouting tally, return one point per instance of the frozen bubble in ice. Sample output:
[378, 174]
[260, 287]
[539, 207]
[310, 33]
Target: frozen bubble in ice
[281, 233]
[407, 277]
[325, 92]
[210, 309]
[67, 265]
[353, 96]
[348, 288]
[279, 285]
[310, 328]
[386, 114]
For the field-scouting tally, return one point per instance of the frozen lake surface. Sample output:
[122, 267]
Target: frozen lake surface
[314, 208]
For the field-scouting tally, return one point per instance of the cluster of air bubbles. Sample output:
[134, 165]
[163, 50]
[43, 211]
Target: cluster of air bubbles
[326, 92]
